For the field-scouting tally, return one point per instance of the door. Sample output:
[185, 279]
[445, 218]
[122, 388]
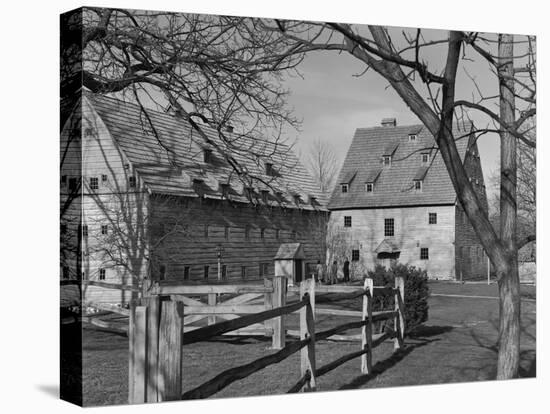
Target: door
[298, 270]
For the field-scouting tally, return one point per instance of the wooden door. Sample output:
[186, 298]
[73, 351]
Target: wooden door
[298, 270]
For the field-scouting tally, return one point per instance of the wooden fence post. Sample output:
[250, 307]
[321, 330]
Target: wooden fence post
[268, 302]
[278, 300]
[399, 320]
[137, 355]
[153, 321]
[212, 300]
[366, 331]
[307, 330]
[170, 351]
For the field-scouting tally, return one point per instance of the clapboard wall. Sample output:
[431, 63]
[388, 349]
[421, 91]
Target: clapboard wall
[188, 233]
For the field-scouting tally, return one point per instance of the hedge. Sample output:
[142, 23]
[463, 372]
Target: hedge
[416, 292]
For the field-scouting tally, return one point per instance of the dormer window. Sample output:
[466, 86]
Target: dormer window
[249, 191]
[269, 169]
[425, 158]
[197, 186]
[207, 155]
[345, 188]
[313, 200]
[265, 196]
[386, 160]
[225, 190]
[297, 199]
[369, 187]
[418, 185]
[412, 137]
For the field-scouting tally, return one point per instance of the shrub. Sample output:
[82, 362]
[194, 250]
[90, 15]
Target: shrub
[416, 292]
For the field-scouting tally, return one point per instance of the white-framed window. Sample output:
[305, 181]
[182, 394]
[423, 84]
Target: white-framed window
[94, 183]
[355, 255]
[369, 187]
[104, 178]
[104, 229]
[432, 218]
[412, 137]
[347, 221]
[102, 274]
[424, 253]
[132, 181]
[386, 160]
[418, 185]
[389, 229]
[425, 158]
[345, 188]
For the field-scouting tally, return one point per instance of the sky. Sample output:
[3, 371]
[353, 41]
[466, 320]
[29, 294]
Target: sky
[332, 101]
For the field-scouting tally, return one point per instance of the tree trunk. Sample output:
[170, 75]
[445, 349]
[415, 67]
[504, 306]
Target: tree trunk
[509, 307]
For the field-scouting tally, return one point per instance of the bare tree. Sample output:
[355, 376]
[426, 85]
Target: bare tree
[322, 163]
[229, 70]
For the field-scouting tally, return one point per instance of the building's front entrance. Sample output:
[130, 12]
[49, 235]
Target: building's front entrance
[387, 259]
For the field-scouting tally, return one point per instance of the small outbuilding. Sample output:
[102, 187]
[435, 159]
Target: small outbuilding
[289, 262]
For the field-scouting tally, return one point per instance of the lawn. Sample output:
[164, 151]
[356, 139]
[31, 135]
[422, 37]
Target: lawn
[457, 344]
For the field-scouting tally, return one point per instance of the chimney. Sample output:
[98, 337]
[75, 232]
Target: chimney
[389, 122]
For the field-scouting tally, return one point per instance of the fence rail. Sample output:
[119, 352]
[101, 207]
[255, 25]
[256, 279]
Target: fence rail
[158, 336]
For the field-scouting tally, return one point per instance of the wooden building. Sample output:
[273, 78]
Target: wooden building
[394, 201]
[144, 195]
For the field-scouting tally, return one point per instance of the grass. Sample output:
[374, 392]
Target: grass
[457, 344]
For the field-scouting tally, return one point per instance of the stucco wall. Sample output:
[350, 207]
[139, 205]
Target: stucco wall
[412, 232]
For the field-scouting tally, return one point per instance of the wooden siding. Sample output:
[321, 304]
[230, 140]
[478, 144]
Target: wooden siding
[412, 232]
[471, 260]
[178, 230]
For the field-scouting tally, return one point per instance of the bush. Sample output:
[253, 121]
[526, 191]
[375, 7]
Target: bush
[416, 292]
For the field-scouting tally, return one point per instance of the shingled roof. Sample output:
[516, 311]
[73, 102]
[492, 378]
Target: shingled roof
[177, 166]
[394, 185]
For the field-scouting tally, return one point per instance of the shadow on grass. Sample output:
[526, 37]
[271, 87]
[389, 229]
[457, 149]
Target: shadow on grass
[419, 336]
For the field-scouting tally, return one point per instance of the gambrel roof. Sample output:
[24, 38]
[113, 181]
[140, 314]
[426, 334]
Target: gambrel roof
[176, 165]
[395, 183]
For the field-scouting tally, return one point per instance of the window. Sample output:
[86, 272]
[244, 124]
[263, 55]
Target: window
[347, 221]
[265, 196]
[247, 233]
[388, 227]
[386, 160]
[424, 253]
[224, 271]
[412, 137]
[207, 156]
[226, 233]
[243, 272]
[72, 184]
[432, 218]
[104, 229]
[84, 230]
[225, 190]
[355, 255]
[162, 272]
[262, 234]
[101, 274]
[369, 187]
[206, 269]
[103, 178]
[264, 269]
[66, 272]
[206, 230]
[132, 181]
[94, 183]
[63, 180]
[344, 188]
[418, 185]
[186, 273]
[277, 234]
[269, 169]
[425, 158]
